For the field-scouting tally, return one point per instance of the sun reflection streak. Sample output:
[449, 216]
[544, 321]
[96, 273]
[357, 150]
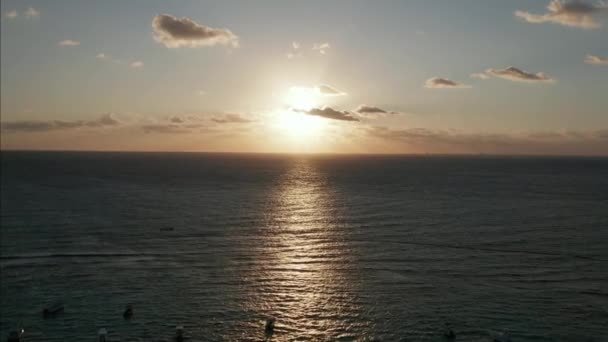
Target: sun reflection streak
[307, 274]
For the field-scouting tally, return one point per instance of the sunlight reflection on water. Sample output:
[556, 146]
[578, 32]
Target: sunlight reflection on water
[307, 273]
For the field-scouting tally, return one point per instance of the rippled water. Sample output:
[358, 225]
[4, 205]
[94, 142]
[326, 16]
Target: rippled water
[334, 247]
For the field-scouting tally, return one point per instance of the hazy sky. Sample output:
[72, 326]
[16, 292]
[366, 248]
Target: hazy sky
[467, 76]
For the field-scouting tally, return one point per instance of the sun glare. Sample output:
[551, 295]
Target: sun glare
[294, 121]
[302, 98]
[299, 125]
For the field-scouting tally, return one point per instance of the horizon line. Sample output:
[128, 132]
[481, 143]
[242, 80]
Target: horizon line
[413, 154]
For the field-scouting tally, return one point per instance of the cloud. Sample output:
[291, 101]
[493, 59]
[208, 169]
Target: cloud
[328, 90]
[455, 141]
[105, 120]
[365, 109]
[573, 13]
[443, 83]
[295, 51]
[105, 57]
[175, 32]
[174, 125]
[32, 13]
[69, 42]
[12, 14]
[480, 76]
[231, 118]
[165, 128]
[321, 47]
[329, 113]
[518, 75]
[596, 60]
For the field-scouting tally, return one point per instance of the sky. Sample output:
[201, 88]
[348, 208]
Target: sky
[427, 76]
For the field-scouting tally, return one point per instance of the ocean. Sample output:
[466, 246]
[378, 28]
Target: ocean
[335, 247]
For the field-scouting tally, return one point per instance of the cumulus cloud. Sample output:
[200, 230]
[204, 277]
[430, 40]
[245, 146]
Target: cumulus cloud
[105, 120]
[329, 113]
[518, 75]
[480, 76]
[175, 32]
[443, 83]
[365, 109]
[455, 141]
[596, 60]
[231, 118]
[328, 90]
[573, 13]
[69, 42]
[32, 13]
[136, 64]
[11, 14]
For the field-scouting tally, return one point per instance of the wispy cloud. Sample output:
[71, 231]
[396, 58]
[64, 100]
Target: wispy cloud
[573, 13]
[165, 128]
[105, 120]
[69, 42]
[106, 57]
[480, 76]
[175, 32]
[596, 60]
[11, 14]
[455, 141]
[321, 47]
[32, 13]
[231, 119]
[295, 50]
[518, 75]
[174, 125]
[327, 90]
[329, 113]
[443, 83]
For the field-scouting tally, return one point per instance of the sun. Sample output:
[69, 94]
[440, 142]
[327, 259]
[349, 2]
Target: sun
[300, 125]
[302, 98]
[294, 121]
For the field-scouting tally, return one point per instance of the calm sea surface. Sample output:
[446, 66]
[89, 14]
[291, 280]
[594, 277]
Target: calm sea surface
[335, 247]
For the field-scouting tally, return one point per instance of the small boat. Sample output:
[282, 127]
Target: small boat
[15, 336]
[269, 328]
[53, 310]
[179, 333]
[102, 335]
[448, 333]
[503, 337]
[128, 312]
